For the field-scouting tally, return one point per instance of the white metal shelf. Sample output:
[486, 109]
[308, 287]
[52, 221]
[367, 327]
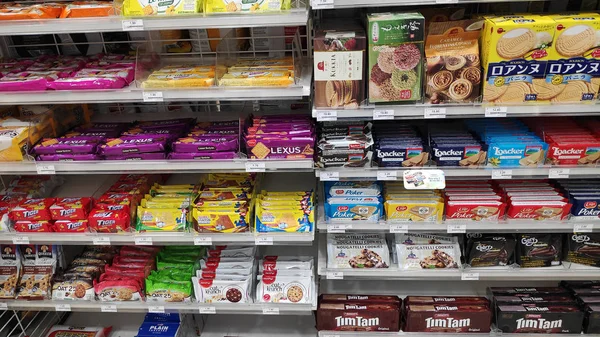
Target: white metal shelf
[364, 3]
[294, 17]
[492, 333]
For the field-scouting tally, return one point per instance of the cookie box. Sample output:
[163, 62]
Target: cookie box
[431, 256]
[160, 329]
[531, 318]
[507, 154]
[538, 210]
[358, 316]
[460, 211]
[452, 317]
[353, 208]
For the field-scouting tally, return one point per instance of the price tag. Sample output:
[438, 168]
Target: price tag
[270, 311]
[264, 241]
[322, 4]
[45, 169]
[255, 167]
[501, 174]
[20, 240]
[108, 308]
[398, 228]
[129, 25]
[469, 276]
[338, 228]
[203, 241]
[387, 175]
[152, 96]
[208, 310]
[496, 111]
[335, 275]
[329, 176]
[329, 115]
[143, 241]
[424, 179]
[156, 309]
[435, 112]
[383, 114]
[457, 228]
[583, 228]
[101, 241]
[3, 306]
[62, 307]
[558, 173]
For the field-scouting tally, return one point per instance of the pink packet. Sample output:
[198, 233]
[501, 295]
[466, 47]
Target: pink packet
[27, 81]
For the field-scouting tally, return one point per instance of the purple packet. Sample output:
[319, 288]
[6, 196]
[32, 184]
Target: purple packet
[171, 133]
[215, 125]
[205, 145]
[103, 127]
[84, 134]
[166, 123]
[65, 145]
[300, 148]
[138, 156]
[134, 144]
[68, 157]
[202, 156]
[201, 132]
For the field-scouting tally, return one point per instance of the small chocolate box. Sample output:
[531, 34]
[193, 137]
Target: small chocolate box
[531, 318]
[339, 60]
[358, 316]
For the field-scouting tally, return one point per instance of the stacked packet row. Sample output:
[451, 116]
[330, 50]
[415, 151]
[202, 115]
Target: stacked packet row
[226, 275]
[280, 137]
[353, 200]
[285, 279]
[399, 144]
[455, 146]
[345, 144]
[285, 212]
[50, 215]
[166, 208]
[510, 143]
[402, 205]
[382, 311]
[208, 140]
[346, 251]
[172, 279]
[75, 9]
[181, 76]
[224, 203]
[584, 196]
[427, 251]
[275, 72]
[586, 294]
[67, 73]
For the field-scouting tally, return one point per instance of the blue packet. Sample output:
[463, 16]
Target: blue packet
[351, 208]
[159, 329]
[511, 154]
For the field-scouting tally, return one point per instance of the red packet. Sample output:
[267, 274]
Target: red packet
[70, 208]
[33, 226]
[33, 209]
[71, 226]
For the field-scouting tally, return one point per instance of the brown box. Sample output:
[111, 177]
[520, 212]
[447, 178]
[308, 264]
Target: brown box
[359, 298]
[358, 316]
[447, 318]
[339, 63]
[531, 318]
[446, 300]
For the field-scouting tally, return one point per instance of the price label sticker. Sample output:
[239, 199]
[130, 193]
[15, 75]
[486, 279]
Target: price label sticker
[108, 308]
[101, 241]
[3, 306]
[203, 241]
[322, 4]
[143, 241]
[469, 276]
[264, 241]
[496, 111]
[424, 179]
[398, 228]
[156, 309]
[45, 169]
[387, 175]
[20, 240]
[435, 113]
[335, 275]
[383, 114]
[152, 96]
[338, 228]
[559, 173]
[255, 167]
[501, 174]
[329, 176]
[329, 115]
[208, 310]
[270, 311]
[457, 229]
[62, 307]
[132, 25]
[583, 228]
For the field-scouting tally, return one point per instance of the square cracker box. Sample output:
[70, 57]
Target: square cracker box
[573, 72]
[395, 56]
[515, 55]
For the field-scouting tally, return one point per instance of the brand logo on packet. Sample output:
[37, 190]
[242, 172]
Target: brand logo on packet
[30, 213]
[342, 208]
[387, 154]
[539, 323]
[580, 238]
[286, 150]
[454, 153]
[482, 247]
[501, 152]
[103, 215]
[590, 204]
[560, 152]
[65, 212]
[529, 241]
[356, 321]
[106, 222]
[447, 322]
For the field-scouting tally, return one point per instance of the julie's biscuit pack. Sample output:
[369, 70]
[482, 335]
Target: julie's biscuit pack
[573, 73]
[515, 56]
[395, 56]
[150, 7]
[285, 212]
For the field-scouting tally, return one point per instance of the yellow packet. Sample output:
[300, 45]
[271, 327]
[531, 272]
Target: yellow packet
[256, 79]
[162, 219]
[221, 221]
[179, 80]
[284, 220]
[414, 211]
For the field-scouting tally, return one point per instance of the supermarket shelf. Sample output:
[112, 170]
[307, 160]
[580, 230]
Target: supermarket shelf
[154, 166]
[142, 307]
[363, 3]
[159, 238]
[430, 334]
[294, 17]
[418, 111]
[371, 173]
[299, 90]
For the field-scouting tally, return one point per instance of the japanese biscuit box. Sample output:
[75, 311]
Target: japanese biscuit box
[154, 7]
[395, 56]
[515, 56]
[573, 73]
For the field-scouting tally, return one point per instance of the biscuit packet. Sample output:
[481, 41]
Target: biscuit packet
[77, 288]
[414, 210]
[221, 290]
[10, 267]
[284, 219]
[277, 288]
[424, 239]
[168, 290]
[357, 251]
[220, 220]
[39, 264]
[121, 290]
[440, 256]
[162, 219]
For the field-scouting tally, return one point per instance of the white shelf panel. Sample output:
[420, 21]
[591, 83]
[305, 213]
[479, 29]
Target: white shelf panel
[363, 3]
[417, 111]
[294, 17]
[153, 166]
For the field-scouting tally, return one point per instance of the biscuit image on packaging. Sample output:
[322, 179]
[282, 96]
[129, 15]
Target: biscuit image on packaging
[492, 92]
[546, 90]
[575, 41]
[515, 93]
[516, 43]
[590, 159]
[441, 80]
[148, 10]
[460, 89]
[260, 150]
[533, 159]
[548, 212]
[367, 259]
[573, 92]
[455, 62]
[418, 160]
[474, 160]
[484, 212]
[295, 294]
[363, 212]
[124, 294]
[422, 212]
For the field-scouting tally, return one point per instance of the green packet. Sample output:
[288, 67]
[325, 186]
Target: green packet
[177, 259]
[160, 265]
[168, 291]
[171, 274]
